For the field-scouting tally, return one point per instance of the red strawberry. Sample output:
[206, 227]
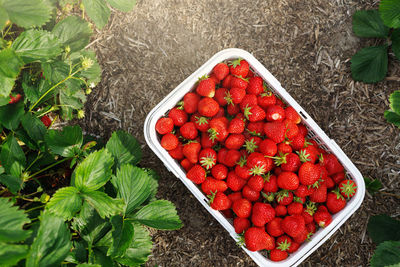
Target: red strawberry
[262, 213]
[234, 182]
[242, 208]
[284, 197]
[220, 113]
[301, 237]
[292, 163]
[221, 155]
[239, 67]
[294, 246]
[242, 170]
[335, 202]
[268, 147]
[250, 194]
[255, 128]
[14, 100]
[274, 227]
[258, 164]
[248, 101]
[208, 158]
[47, 122]
[256, 86]
[347, 188]
[232, 157]
[191, 151]
[279, 102]
[280, 210]
[329, 182]
[254, 113]
[293, 225]
[319, 194]
[309, 173]
[266, 99]
[322, 208]
[232, 109]
[169, 141]
[219, 172]
[291, 128]
[218, 129]
[288, 181]
[206, 87]
[284, 148]
[178, 116]
[275, 113]
[190, 102]
[163, 125]
[257, 239]
[295, 208]
[219, 201]
[214, 79]
[188, 130]
[322, 218]
[206, 140]
[338, 177]
[196, 174]
[186, 164]
[270, 184]
[239, 82]
[201, 123]
[309, 153]
[251, 144]
[208, 107]
[311, 228]
[211, 185]
[221, 70]
[234, 141]
[221, 96]
[236, 126]
[256, 183]
[279, 254]
[177, 153]
[275, 131]
[237, 94]
[226, 83]
[241, 224]
[331, 163]
[303, 191]
[302, 129]
[291, 114]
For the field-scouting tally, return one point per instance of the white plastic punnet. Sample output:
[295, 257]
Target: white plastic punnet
[315, 132]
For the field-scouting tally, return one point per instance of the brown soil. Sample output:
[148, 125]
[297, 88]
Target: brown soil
[306, 45]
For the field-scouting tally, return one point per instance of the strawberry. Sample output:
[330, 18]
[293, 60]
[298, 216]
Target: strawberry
[251, 144]
[188, 130]
[208, 158]
[309, 153]
[177, 153]
[208, 107]
[214, 79]
[254, 113]
[303, 191]
[250, 194]
[302, 129]
[294, 246]
[241, 224]
[266, 99]
[219, 172]
[242, 208]
[47, 122]
[239, 82]
[169, 141]
[270, 184]
[308, 217]
[256, 86]
[284, 148]
[14, 100]
[279, 254]
[221, 96]
[211, 185]
[283, 239]
[239, 67]
[319, 194]
[322, 208]
[347, 188]
[293, 225]
[234, 182]
[279, 102]
[250, 74]
[248, 101]
[302, 236]
[227, 213]
[163, 125]
[309, 173]
[268, 147]
[275, 113]
[288, 181]
[258, 164]
[284, 197]
[190, 102]
[256, 183]
[219, 201]
[236, 126]
[322, 218]
[221, 155]
[218, 129]
[274, 227]
[280, 210]
[186, 164]
[221, 70]
[237, 94]
[234, 141]
[220, 113]
[275, 131]
[232, 109]
[196, 174]
[329, 182]
[226, 83]
[256, 128]
[178, 116]
[241, 169]
[262, 213]
[291, 128]
[232, 157]
[291, 114]
[311, 228]
[335, 202]
[201, 123]
[331, 163]
[338, 177]
[257, 239]
[191, 151]
[292, 163]
[295, 208]
[206, 87]
[206, 141]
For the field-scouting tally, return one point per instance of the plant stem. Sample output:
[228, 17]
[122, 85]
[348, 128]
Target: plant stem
[33, 162]
[34, 208]
[48, 167]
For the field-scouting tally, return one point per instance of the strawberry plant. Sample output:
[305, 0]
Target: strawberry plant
[370, 64]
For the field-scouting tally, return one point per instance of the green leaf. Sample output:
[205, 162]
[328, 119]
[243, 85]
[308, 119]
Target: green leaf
[92, 74]
[368, 23]
[66, 202]
[78, 253]
[10, 115]
[125, 148]
[97, 11]
[12, 220]
[12, 157]
[73, 32]
[3, 18]
[99, 256]
[122, 234]
[153, 184]
[390, 13]
[133, 186]
[55, 71]
[386, 254]
[394, 100]
[89, 224]
[104, 205]
[370, 64]
[10, 254]
[139, 249]
[93, 172]
[392, 117]
[88, 265]
[28, 13]
[35, 45]
[372, 185]
[10, 65]
[14, 184]
[396, 42]
[70, 102]
[382, 228]
[34, 127]
[122, 5]
[160, 214]
[52, 243]
[65, 143]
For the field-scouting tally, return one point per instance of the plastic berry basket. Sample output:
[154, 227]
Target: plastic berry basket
[315, 132]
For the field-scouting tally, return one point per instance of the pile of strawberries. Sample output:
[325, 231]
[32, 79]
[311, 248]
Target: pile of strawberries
[251, 156]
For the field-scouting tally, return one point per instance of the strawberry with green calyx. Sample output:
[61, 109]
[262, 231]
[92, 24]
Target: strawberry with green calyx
[169, 141]
[300, 200]
[221, 70]
[47, 121]
[280, 252]
[201, 122]
[236, 94]
[309, 153]
[251, 144]
[190, 102]
[335, 202]
[239, 67]
[268, 196]
[208, 107]
[284, 197]
[241, 224]
[191, 151]
[221, 96]
[322, 218]
[178, 116]
[218, 129]
[239, 82]
[347, 188]
[291, 128]
[332, 164]
[233, 109]
[206, 86]
[254, 113]
[255, 128]
[248, 101]
[270, 183]
[241, 169]
[234, 141]
[257, 239]
[275, 113]
[319, 194]
[284, 147]
[163, 125]
[219, 201]
[258, 164]
[292, 163]
[288, 181]
[196, 174]
[303, 191]
[266, 98]
[208, 158]
[293, 225]
[206, 141]
[219, 172]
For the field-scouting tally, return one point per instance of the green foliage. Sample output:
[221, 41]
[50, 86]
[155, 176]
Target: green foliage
[393, 115]
[386, 254]
[372, 185]
[390, 13]
[367, 23]
[370, 64]
[27, 14]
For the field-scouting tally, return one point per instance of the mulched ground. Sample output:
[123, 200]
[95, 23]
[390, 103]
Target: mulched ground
[306, 45]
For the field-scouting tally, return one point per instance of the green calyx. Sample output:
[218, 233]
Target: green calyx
[348, 189]
[235, 63]
[303, 156]
[179, 105]
[321, 157]
[204, 77]
[279, 160]
[240, 77]
[311, 208]
[268, 196]
[241, 241]
[309, 235]
[250, 145]
[254, 133]
[213, 134]
[266, 176]
[212, 196]
[242, 161]
[247, 111]
[228, 98]
[298, 199]
[208, 161]
[337, 193]
[282, 194]
[201, 120]
[285, 245]
[306, 143]
[258, 170]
